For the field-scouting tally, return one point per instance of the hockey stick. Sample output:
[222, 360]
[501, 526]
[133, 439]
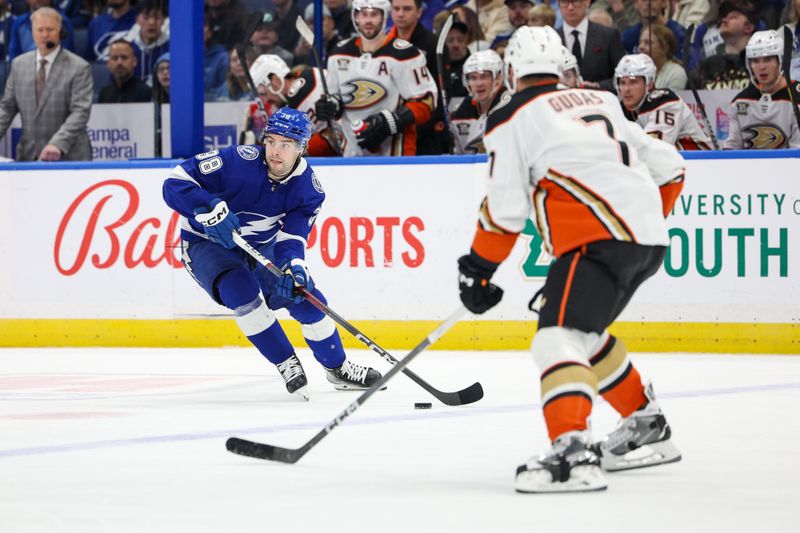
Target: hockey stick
[292, 455]
[308, 36]
[788, 42]
[687, 43]
[471, 394]
[440, 66]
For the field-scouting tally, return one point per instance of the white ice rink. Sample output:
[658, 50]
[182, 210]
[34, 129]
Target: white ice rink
[133, 440]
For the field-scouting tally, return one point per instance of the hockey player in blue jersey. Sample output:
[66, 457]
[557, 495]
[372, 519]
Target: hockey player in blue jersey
[270, 195]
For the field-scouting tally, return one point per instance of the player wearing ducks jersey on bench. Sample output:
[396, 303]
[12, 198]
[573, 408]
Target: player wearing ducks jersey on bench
[380, 86]
[660, 112]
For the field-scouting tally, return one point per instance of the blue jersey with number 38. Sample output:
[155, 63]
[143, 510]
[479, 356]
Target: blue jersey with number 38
[275, 212]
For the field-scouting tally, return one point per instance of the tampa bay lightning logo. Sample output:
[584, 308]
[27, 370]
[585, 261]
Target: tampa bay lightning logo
[247, 152]
[263, 228]
[317, 185]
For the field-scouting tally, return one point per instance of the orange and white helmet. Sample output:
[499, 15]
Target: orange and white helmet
[635, 66]
[384, 5]
[482, 61]
[264, 66]
[766, 43]
[532, 50]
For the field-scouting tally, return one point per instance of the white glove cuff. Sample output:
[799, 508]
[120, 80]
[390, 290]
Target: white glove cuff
[216, 216]
[391, 120]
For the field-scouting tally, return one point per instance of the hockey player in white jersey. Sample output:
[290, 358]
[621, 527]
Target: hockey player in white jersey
[569, 159]
[660, 112]
[569, 73]
[299, 90]
[761, 115]
[483, 77]
[380, 86]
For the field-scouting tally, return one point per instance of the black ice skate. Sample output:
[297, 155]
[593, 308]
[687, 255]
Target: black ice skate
[639, 440]
[292, 373]
[570, 466]
[351, 376]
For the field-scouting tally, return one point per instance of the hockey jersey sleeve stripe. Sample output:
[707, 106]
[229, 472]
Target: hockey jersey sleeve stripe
[421, 108]
[179, 173]
[670, 193]
[281, 236]
[601, 209]
[491, 246]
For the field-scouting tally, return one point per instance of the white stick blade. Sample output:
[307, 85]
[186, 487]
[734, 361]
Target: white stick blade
[305, 31]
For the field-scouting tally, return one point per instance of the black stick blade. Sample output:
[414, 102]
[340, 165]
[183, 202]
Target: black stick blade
[471, 394]
[257, 450]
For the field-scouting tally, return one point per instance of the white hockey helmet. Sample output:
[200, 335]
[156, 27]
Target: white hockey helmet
[568, 62]
[384, 5]
[482, 61]
[766, 43]
[532, 50]
[267, 64]
[635, 66]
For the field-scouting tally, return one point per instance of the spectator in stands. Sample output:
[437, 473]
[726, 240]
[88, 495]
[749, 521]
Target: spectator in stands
[286, 15]
[475, 37]
[726, 69]
[652, 12]
[517, 16]
[236, 86]
[542, 15]
[553, 5]
[51, 89]
[265, 38]
[215, 63]
[150, 36]
[623, 12]
[688, 12]
[302, 52]
[125, 85]
[597, 48]
[342, 17]
[21, 39]
[792, 16]
[659, 43]
[406, 16]
[6, 21]
[161, 91]
[494, 18]
[600, 16]
[107, 27]
[457, 53]
[227, 19]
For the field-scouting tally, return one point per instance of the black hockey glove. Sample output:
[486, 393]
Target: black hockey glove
[477, 293]
[381, 125]
[328, 108]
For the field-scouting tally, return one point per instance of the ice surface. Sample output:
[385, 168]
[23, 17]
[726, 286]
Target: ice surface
[124, 440]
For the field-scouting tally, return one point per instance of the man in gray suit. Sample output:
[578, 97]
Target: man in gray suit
[51, 89]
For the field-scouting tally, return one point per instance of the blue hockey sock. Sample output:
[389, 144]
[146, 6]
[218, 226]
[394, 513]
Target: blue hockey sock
[261, 327]
[324, 341]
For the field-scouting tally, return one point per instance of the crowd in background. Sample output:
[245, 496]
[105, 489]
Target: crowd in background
[693, 43]
[713, 57]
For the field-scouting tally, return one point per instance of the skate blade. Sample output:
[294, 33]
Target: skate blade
[587, 478]
[302, 393]
[653, 454]
[347, 386]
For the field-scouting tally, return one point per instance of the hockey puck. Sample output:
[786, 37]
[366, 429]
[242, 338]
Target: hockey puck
[422, 405]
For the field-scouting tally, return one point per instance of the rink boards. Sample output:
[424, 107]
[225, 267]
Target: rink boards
[90, 257]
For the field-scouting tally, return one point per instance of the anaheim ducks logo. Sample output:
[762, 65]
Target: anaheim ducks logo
[359, 94]
[764, 137]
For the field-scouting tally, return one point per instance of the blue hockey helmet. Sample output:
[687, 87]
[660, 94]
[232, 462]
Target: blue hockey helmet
[289, 123]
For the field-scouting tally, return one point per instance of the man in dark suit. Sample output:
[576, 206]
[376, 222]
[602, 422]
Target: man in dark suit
[597, 48]
[51, 89]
